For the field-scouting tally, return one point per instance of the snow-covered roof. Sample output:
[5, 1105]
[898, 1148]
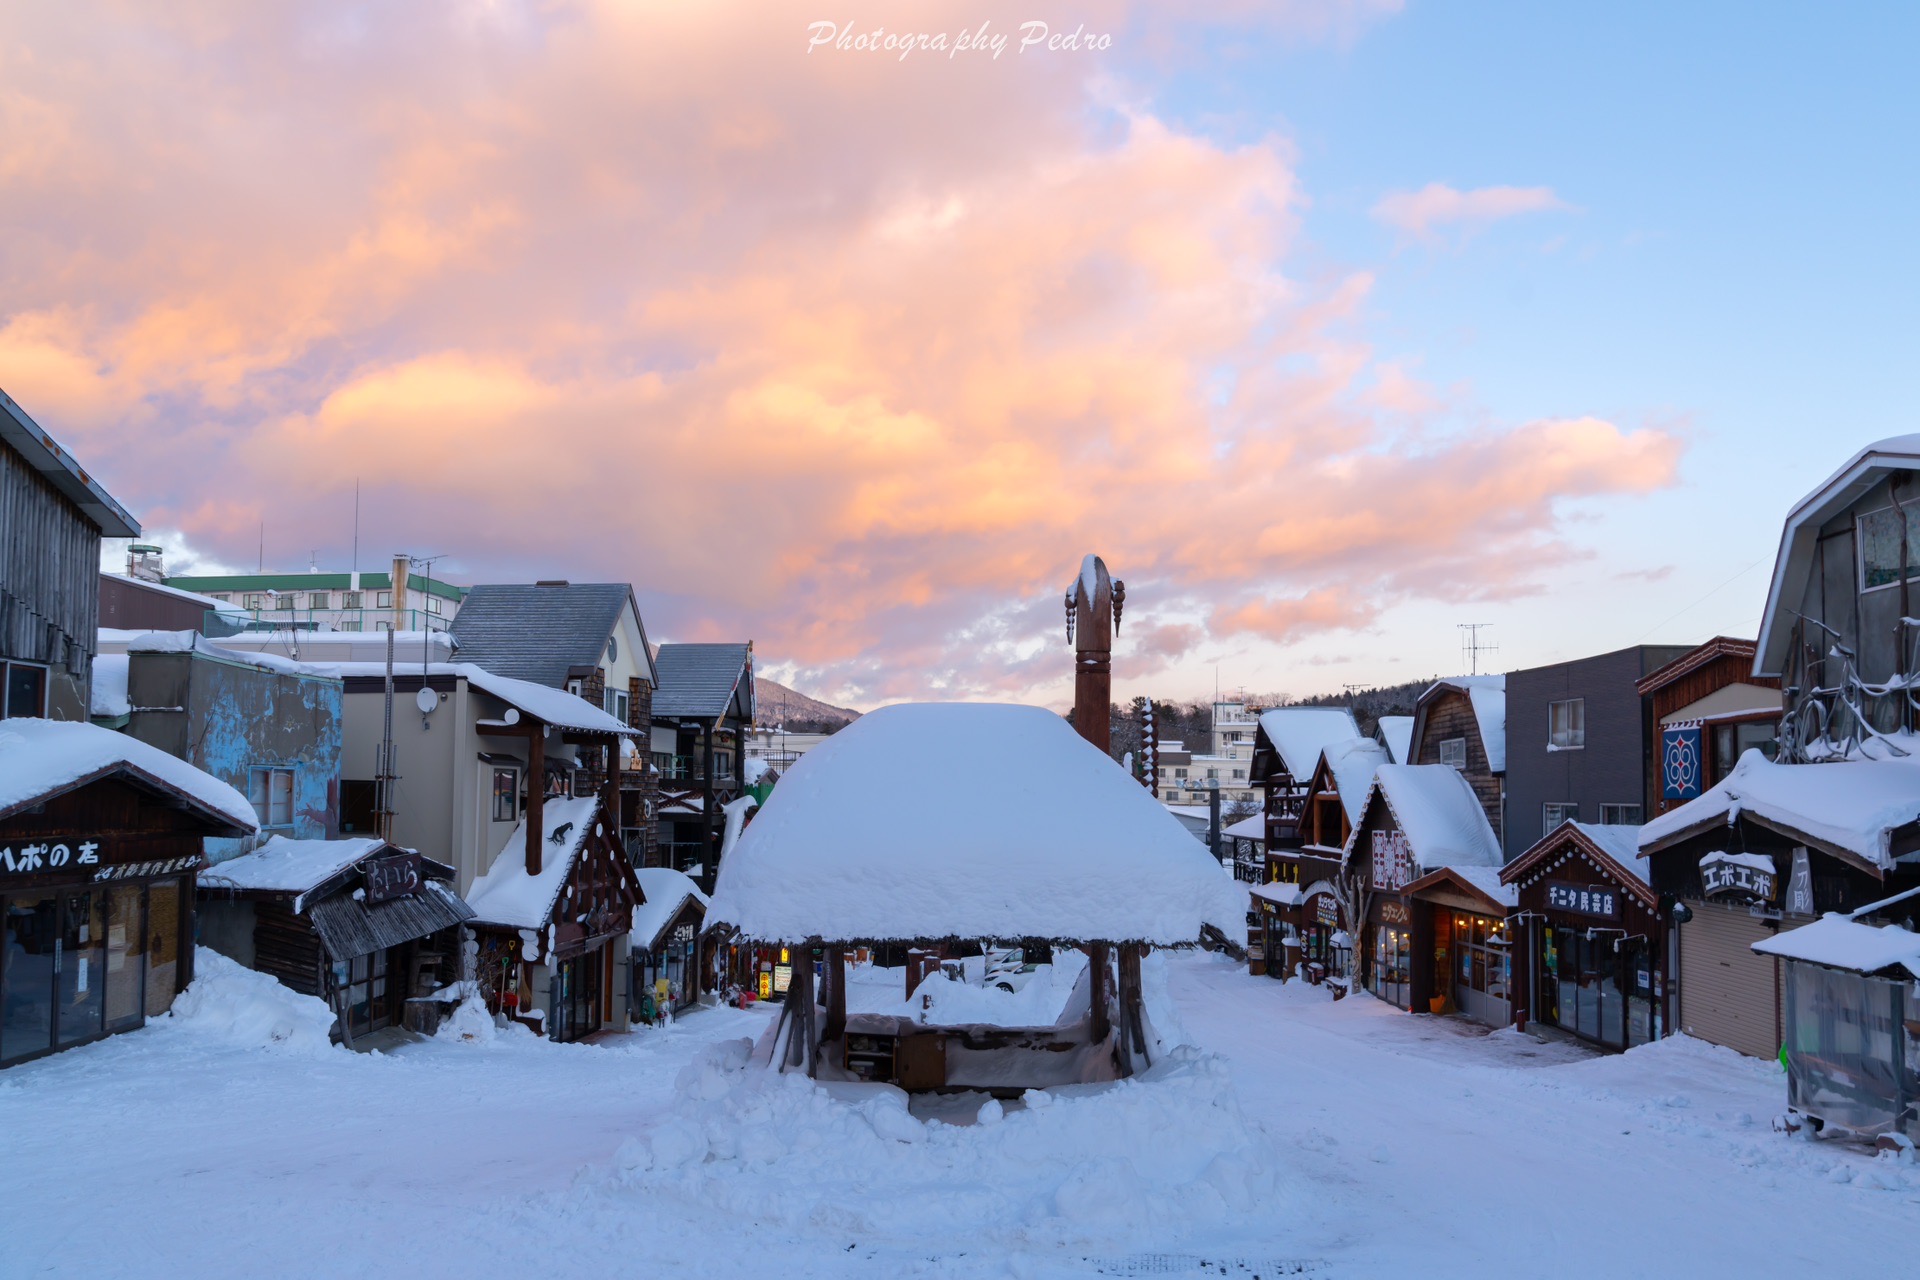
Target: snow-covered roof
[1487, 881]
[1282, 893]
[41, 758]
[1488, 696]
[1398, 732]
[1839, 942]
[1439, 813]
[1618, 841]
[1254, 828]
[1847, 807]
[1031, 832]
[666, 892]
[290, 866]
[1801, 531]
[194, 642]
[549, 706]
[109, 696]
[506, 894]
[1353, 764]
[1300, 734]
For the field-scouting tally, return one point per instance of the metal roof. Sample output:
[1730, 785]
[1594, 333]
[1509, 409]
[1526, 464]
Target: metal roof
[541, 632]
[699, 681]
[60, 470]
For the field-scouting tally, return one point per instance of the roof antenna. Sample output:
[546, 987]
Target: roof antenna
[1470, 646]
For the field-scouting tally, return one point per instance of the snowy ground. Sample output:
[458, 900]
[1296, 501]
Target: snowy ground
[1305, 1137]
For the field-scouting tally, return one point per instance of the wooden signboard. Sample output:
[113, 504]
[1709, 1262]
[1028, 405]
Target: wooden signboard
[394, 875]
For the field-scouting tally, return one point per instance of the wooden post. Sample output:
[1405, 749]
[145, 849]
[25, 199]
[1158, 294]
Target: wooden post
[837, 993]
[1093, 615]
[536, 795]
[803, 983]
[1097, 990]
[1132, 999]
[610, 793]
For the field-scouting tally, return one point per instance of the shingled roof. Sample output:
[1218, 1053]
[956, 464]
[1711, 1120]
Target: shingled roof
[543, 632]
[698, 681]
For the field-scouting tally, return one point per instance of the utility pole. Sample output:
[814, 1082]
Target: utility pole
[1470, 646]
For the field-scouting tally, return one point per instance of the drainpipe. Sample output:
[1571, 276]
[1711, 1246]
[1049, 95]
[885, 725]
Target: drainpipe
[399, 593]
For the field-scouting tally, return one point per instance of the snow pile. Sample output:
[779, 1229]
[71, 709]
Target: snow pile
[942, 1002]
[1165, 1154]
[236, 1007]
[469, 1023]
[1031, 833]
[39, 758]
[110, 686]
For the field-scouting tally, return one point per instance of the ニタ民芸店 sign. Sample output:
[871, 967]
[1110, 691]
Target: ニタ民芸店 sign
[1584, 899]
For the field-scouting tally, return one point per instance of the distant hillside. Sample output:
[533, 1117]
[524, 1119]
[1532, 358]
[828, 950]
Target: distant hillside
[778, 704]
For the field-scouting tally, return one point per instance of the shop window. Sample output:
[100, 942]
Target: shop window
[1453, 751]
[1731, 741]
[1880, 547]
[1619, 815]
[1553, 814]
[506, 795]
[1567, 724]
[24, 691]
[270, 789]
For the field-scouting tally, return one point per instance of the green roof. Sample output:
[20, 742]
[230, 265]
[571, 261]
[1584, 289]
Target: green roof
[204, 583]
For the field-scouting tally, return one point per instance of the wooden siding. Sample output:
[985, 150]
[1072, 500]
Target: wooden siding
[1450, 715]
[49, 582]
[1686, 691]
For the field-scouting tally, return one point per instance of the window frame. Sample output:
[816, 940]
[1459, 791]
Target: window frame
[6, 689]
[264, 808]
[1860, 549]
[1619, 820]
[511, 795]
[1576, 734]
[1555, 812]
[1461, 743]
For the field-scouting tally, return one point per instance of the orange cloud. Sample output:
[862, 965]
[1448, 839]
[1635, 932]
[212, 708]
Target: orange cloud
[1436, 206]
[853, 356]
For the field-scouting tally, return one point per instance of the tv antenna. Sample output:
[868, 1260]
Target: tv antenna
[1470, 646]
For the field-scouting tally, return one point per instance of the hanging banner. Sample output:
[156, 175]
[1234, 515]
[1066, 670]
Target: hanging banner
[1680, 763]
[1392, 860]
[1800, 885]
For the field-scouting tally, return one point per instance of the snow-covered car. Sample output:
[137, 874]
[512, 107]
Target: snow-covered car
[1008, 969]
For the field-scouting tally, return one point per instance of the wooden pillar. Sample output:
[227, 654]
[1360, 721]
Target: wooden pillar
[809, 1024]
[1132, 1000]
[836, 993]
[536, 796]
[1097, 990]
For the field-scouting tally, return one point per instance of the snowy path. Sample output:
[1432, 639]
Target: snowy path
[1401, 1144]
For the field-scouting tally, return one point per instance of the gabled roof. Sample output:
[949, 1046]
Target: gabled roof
[1350, 766]
[1293, 738]
[41, 759]
[1848, 809]
[667, 892]
[543, 632]
[701, 681]
[1481, 883]
[1397, 733]
[1439, 813]
[59, 469]
[506, 895]
[1691, 661]
[1615, 849]
[1488, 697]
[1801, 532]
[548, 705]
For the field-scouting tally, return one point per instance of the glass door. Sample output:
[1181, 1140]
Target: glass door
[81, 968]
[125, 976]
[27, 975]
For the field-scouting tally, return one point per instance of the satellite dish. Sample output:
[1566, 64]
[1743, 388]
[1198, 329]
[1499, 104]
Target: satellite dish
[512, 716]
[427, 699]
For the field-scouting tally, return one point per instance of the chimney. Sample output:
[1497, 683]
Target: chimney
[399, 593]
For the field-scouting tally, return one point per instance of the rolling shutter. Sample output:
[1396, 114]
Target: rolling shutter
[1729, 995]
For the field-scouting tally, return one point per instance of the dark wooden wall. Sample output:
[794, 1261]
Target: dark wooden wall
[286, 946]
[49, 583]
[1450, 715]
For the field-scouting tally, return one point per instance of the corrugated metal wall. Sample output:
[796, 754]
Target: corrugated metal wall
[49, 575]
[1728, 995]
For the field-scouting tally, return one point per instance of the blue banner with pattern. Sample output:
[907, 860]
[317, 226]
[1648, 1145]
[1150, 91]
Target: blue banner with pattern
[1680, 763]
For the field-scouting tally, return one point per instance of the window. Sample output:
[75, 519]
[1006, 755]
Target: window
[317, 599]
[1240, 774]
[433, 604]
[270, 789]
[24, 692]
[617, 704]
[1567, 724]
[1213, 773]
[1880, 547]
[1552, 815]
[506, 795]
[1621, 815]
[1731, 741]
[255, 600]
[383, 599]
[1453, 751]
[383, 625]
[1179, 773]
[351, 599]
[1171, 796]
[221, 595]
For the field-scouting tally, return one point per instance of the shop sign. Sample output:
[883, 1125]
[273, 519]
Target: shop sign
[1749, 875]
[134, 870]
[1584, 899]
[1326, 909]
[1800, 885]
[766, 985]
[31, 858]
[683, 935]
[397, 875]
[1392, 860]
[1680, 763]
[782, 978]
[1395, 912]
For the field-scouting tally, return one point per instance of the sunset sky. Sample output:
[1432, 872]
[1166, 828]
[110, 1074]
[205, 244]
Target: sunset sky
[1331, 326]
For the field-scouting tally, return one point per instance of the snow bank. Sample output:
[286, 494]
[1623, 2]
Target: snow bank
[1120, 1165]
[238, 1008]
[941, 1002]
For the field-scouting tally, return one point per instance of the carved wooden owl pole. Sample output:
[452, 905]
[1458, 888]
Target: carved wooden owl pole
[1094, 601]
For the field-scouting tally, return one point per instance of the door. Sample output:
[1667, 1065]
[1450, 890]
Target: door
[27, 975]
[126, 949]
[80, 968]
[163, 944]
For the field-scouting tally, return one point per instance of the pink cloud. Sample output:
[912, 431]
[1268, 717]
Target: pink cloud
[852, 356]
[1437, 206]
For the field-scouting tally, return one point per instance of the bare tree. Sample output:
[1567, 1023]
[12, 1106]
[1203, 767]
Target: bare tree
[1353, 889]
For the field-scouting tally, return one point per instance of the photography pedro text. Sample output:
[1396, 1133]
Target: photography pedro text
[1034, 36]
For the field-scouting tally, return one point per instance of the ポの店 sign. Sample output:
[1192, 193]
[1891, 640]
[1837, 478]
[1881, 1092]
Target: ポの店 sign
[29, 859]
[1584, 899]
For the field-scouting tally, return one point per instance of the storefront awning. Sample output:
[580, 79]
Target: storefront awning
[348, 927]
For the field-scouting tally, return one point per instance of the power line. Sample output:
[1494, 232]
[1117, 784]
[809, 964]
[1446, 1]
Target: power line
[1702, 600]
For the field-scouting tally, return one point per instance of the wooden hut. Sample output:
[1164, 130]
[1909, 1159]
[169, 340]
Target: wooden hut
[1029, 834]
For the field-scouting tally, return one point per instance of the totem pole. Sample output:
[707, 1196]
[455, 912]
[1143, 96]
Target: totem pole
[1094, 601]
